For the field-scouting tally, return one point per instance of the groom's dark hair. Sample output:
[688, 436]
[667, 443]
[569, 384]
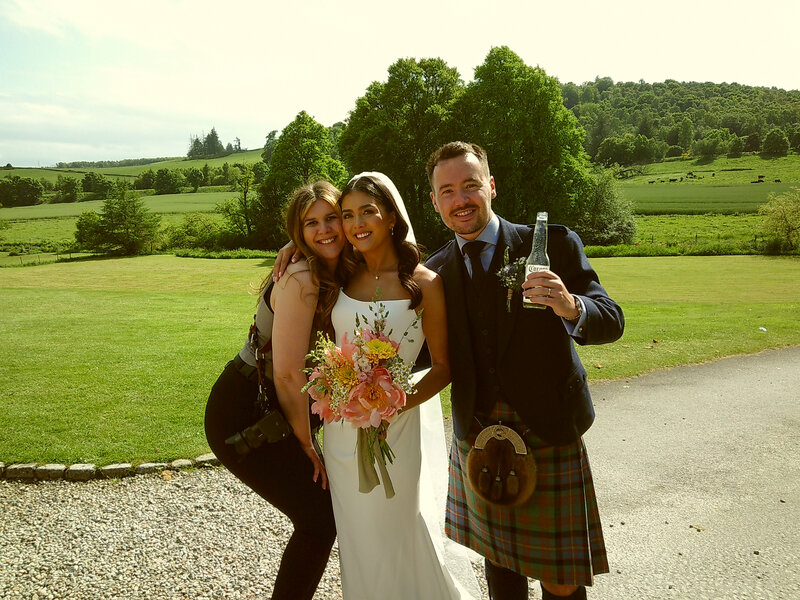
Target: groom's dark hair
[452, 150]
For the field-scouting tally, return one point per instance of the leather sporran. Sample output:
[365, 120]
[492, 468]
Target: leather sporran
[501, 468]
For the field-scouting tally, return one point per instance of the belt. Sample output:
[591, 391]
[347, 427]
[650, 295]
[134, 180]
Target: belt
[249, 372]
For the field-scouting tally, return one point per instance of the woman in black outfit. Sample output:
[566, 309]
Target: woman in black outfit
[289, 474]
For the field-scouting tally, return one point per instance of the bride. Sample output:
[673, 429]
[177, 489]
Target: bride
[393, 548]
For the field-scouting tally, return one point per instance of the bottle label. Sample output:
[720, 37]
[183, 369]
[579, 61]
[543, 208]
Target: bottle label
[533, 269]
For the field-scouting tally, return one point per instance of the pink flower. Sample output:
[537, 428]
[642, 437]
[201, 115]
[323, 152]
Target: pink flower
[373, 401]
[322, 399]
[347, 348]
[322, 407]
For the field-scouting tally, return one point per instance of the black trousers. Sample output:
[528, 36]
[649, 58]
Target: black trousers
[280, 473]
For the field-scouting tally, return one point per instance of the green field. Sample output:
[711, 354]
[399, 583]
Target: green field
[165, 204]
[51, 174]
[112, 360]
[720, 186]
[690, 198]
[55, 223]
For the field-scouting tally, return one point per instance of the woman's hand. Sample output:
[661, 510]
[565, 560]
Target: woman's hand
[319, 468]
[288, 254]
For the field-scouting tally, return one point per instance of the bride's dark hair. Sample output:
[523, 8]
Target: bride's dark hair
[408, 254]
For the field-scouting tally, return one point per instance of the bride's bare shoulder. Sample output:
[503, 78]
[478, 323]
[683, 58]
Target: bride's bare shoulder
[427, 279]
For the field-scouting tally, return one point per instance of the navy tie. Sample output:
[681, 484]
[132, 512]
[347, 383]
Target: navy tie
[473, 250]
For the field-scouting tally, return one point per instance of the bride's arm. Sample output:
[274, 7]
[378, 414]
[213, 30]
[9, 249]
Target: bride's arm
[294, 301]
[434, 325]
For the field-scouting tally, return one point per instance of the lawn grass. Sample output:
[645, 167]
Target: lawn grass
[112, 360]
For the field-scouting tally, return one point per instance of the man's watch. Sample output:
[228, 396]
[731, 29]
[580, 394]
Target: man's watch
[579, 306]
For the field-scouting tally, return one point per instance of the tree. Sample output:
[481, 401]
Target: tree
[686, 134]
[269, 146]
[20, 191]
[259, 171]
[194, 177]
[776, 143]
[145, 180]
[794, 138]
[395, 126]
[196, 230]
[96, 185]
[167, 181]
[598, 132]
[753, 143]
[736, 147]
[302, 154]
[535, 145]
[713, 143]
[240, 213]
[571, 94]
[196, 149]
[602, 218]
[124, 226]
[783, 218]
[68, 189]
[212, 146]
[87, 230]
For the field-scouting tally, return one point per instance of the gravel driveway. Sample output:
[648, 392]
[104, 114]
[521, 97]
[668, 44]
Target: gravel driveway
[696, 468]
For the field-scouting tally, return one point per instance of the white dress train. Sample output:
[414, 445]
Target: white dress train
[395, 549]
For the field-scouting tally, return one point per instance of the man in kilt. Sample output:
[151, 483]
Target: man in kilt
[518, 367]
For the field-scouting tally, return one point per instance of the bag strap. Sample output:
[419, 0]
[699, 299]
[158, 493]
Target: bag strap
[261, 359]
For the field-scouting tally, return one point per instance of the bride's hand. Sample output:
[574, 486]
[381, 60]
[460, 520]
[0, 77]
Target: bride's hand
[319, 467]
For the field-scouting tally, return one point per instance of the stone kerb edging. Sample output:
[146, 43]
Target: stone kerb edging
[32, 472]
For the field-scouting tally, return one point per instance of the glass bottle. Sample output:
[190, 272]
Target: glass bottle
[537, 259]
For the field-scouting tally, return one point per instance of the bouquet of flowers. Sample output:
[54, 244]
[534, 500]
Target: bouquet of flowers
[364, 382]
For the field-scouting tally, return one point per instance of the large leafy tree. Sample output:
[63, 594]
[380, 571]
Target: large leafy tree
[302, 154]
[397, 124]
[20, 191]
[535, 145]
[776, 143]
[124, 226]
[68, 189]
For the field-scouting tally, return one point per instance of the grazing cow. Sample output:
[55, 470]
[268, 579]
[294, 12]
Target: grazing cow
[777, 181]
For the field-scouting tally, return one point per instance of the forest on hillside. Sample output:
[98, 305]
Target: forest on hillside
[629, 123]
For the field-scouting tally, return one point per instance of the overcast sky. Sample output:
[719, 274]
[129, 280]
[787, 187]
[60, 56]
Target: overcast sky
[107, 80]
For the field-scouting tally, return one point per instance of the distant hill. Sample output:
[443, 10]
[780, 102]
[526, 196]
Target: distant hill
[678, 113]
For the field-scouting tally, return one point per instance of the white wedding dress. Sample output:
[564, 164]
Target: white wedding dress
[395, 549]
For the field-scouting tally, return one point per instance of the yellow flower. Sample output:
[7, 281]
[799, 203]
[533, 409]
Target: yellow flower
[346, 376]
[379, 350]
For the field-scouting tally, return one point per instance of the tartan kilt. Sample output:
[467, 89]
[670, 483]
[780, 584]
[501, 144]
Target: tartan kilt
[556, 537]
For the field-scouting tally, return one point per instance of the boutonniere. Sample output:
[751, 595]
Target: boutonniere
[511, 276]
